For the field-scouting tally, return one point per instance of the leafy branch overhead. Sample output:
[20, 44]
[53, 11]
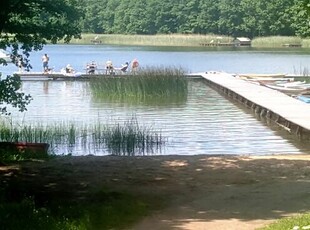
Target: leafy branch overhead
[27, 25]
[9, 95]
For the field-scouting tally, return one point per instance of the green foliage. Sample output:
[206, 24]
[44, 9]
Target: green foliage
[226, 17]
[26, 25]
[301, 221]
[148, 85]
[103, 210]
[127, 138]
[9, 94]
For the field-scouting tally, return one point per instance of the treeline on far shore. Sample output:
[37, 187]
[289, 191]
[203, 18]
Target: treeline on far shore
[189, 40]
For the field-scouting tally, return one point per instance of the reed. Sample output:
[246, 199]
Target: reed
[151, 40]
[306, 43]
[148, 85]
[128, 138]
[275, 41]
[302, 71]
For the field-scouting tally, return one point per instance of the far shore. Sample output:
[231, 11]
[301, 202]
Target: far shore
[190, 40]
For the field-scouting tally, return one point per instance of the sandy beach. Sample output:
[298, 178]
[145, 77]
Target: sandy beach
[202, 191]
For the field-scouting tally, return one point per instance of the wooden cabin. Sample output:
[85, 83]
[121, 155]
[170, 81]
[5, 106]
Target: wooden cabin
[242, 41]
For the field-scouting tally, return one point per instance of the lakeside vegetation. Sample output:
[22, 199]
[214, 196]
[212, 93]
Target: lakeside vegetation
[147, 86]
[186, 40]
[127, 138]
[297, 222]
[102, 209]
[238, 18]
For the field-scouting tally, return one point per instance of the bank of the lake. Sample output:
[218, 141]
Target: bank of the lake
[183, 192]
[189, 40]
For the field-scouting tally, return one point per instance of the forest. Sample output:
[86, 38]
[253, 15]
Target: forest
[227, 17]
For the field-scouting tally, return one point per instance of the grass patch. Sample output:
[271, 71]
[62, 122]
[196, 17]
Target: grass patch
[147, 86]
[189, 40]
[298, 222]
[275, 41]
[127, 138]
[302, 71]
[151, 40]
[104, 210]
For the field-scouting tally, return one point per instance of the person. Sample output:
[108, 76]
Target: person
[124, 67]
[45, 60]
[20, 63]
[109, 69]
[69, 69]
[134, 65]
[91, 68]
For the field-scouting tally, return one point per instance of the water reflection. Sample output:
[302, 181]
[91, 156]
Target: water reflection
[206, 123]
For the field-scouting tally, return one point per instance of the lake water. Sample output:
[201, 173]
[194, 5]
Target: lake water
[206, 123]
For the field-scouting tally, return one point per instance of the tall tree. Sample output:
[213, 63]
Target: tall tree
[26, 25]
[301, 17]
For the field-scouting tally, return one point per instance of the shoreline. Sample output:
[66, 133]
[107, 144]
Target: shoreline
[189, 40]
[200, 191]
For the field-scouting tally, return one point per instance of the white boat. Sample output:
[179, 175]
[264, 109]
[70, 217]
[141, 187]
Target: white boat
[290, 90]
[278, 75]
[5, 56]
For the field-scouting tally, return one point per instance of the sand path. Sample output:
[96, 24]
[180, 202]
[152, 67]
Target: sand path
[202, 192]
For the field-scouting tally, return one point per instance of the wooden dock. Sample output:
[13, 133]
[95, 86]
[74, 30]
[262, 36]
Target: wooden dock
[288, 112]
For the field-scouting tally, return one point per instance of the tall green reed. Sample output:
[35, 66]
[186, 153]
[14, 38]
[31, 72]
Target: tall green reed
[148, 85]
[127, 138]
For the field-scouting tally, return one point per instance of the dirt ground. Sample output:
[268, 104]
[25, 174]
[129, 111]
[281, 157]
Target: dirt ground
[203, 192]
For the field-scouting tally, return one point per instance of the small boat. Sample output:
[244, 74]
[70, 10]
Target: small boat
[267, 80]
[290, 90]
[25, 147]
[304, 98]
[280, 75]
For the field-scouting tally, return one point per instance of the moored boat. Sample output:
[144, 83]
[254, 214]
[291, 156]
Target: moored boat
[290, 90]
[304, 98]
[280, 75]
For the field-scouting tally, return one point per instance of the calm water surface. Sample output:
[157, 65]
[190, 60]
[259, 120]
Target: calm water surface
[206, 123]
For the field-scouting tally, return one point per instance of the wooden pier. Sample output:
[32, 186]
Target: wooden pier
[288, 112]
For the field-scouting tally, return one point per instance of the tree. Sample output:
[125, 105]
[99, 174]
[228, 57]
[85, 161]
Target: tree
[301, 18]
[9, 95]
[27, 25]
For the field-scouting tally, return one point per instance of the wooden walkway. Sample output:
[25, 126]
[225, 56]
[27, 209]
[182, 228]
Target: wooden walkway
[288, 112]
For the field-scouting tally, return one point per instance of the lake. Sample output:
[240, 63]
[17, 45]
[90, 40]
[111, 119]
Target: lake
[205, 123]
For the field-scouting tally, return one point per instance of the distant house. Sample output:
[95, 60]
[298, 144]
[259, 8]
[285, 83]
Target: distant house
[242, 41]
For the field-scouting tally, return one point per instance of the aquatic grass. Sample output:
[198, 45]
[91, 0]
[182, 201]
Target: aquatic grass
[127, 138]
[302, 71]
[151, 40]
[183, 40]
[275, 41]
[148, 85]
[131, 139]
[305, 43]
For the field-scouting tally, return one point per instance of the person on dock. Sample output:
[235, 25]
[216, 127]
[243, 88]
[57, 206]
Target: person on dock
[109, 69]
[123, 69]
[45, 60]
[91, 68]
[69, 69]
[134, 65]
